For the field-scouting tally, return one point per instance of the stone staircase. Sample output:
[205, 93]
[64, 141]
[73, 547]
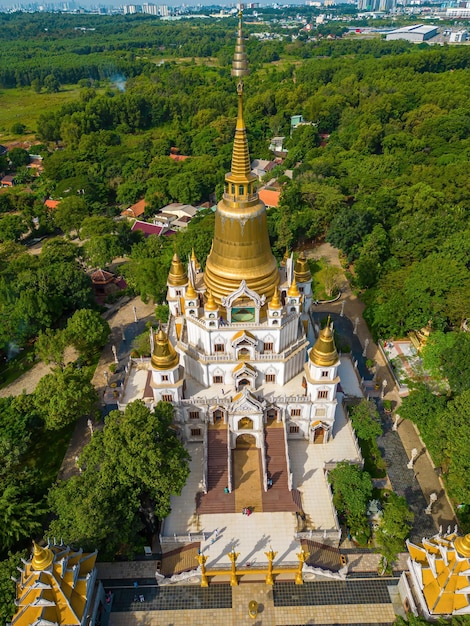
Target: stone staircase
[216, 500]
[181, 559]
[278, 498]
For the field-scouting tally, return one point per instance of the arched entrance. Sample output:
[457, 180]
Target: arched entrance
[245, 441]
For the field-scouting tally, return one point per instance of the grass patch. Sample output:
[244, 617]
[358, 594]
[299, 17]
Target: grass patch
[24, 105]
[47, 453]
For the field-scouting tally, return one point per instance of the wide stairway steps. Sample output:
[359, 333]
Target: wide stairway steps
[278, 497]
[216, 500]
[182, 559]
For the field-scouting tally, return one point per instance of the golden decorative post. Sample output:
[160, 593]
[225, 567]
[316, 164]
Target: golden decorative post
[302, 556]
[233, 556]
[271, 556]
[201, 559]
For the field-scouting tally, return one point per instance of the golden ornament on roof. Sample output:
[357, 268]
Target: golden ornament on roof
[301, 270]
[462, 545]
[190, 291]
[42, 557]
[164, 356]
[211, 304]
[293, 290]
[323, 353]
[177, 276]
[275, 300]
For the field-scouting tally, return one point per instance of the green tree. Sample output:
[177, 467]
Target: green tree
[18, 157]
[8, 570]
[88, 332]
[20, 516]
[51, 84]
[352, 489]
[70, 214]
[394, 528]
[12, 227]
[63, 396]
[102, 249]
[132, 468]
[50, 346]
[366, 420]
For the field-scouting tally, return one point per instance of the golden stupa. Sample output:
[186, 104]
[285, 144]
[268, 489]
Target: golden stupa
[240, 249]
[324, 353]
[164, 356]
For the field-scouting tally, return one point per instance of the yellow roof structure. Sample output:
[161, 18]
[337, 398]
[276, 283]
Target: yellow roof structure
[285, 257]
[197, 265]
[164, 356]
[177, 276]
[441, 567]
[55, 587]
[323, 353]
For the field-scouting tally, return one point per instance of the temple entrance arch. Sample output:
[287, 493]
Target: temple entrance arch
[245, 441]
[218, 416]
[319, 432]
[243, 383]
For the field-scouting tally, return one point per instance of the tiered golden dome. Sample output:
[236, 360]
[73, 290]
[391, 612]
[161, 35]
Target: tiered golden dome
[324, 353]
[177, 276]
[301, 269]
[164, 356]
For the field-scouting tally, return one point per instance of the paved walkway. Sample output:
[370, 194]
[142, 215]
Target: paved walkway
[406, 482]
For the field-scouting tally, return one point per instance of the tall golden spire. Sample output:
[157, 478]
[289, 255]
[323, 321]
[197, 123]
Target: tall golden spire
[42, 557]
[177, 275]
[323, 353]
[240, 248]
[164, 356]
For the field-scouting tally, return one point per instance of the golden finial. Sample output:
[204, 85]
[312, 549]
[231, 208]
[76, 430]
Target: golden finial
[164, 356]
[323, 353]
[302, 270]
[462, 545]
[275, 300]
[197, 265]
[240, 62]
[177, 275]
[42, 557]
[210, 304]
[293, 290]
[190, 291]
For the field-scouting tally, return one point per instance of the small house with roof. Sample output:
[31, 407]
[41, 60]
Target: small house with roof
[135, 210]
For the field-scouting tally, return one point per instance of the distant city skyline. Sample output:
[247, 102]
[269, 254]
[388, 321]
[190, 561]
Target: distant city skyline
[93, 4]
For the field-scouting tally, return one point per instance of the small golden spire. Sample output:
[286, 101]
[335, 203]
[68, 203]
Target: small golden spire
[42, 557]
[210, 304]
[240, 62]
[197, 265]
[301, 269]
[164, 356]
[190, 291]
[285, 257]
[324, 352]
[275, 301]
[462, 545]
[293, 290]
[177, 276]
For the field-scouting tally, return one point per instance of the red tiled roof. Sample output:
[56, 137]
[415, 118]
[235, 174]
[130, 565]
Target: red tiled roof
[146, 228]
[269, 197]
[136, 210]
[51, 204]
[178, 157]
[101, 277]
